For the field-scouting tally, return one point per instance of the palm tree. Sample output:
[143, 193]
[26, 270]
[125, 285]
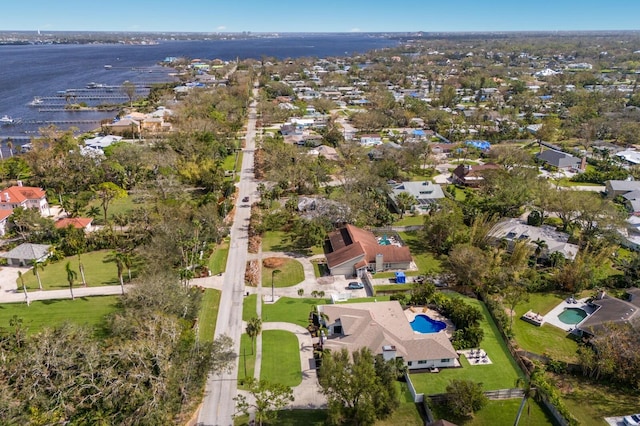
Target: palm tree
[81, 268]
[37, 266]
[404, 201]
[71, 277]
[254, 327]
[540, 246]
[528, 392]
[10, 146]
[24, 288]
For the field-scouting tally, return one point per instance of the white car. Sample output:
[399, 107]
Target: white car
[632, 420]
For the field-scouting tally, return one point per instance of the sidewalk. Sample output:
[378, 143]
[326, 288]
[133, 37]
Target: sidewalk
[15, 296]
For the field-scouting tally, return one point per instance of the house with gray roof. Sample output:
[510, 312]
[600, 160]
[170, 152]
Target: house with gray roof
[613, 188]
[611, 310]
[384, 328]
[559, 159]
[27, 254]
[426, 193]
[514, 230]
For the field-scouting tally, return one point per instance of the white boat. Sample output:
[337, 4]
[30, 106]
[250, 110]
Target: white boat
[108, 67]
[5, 119]
[36, 101]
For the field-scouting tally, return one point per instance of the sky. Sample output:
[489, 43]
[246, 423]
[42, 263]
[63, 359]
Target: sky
[319, 16]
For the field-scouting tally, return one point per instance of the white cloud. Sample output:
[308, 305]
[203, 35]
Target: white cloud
[355, 30]
[221, 28]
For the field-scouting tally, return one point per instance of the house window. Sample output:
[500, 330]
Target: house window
[422, 362]
[337, 329]
[445, 360]
[410, 363]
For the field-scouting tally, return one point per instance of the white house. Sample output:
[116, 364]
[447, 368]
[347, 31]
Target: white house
[384, 328]
[27, 197]
[425, 192]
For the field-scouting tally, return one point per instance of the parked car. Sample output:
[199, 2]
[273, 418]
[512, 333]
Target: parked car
[355, 285]
[245, 199]
[632, 420]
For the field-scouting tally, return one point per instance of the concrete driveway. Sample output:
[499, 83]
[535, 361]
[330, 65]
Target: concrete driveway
[9, 278]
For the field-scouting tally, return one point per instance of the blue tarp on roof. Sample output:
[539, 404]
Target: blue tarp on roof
[400, 278]
[482, 145]
[418, 132]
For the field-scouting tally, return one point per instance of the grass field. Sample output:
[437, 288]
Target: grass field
[116, 207]
[89, 311]
[249, 307]
[96, 271]
[218, 259]
[501, 374]
[590, 402]
[208, 314]
[425, 260]
[547, 339]
[247, 360]
[280, 358]
[409, 220]
[499, 413]
[279, 241]
[407, 413]
[288, 309]
[291, 273]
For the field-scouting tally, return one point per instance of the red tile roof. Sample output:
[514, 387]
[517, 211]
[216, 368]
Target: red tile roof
[350, 243]
[19, 194]
[76, 222]
[5, 213]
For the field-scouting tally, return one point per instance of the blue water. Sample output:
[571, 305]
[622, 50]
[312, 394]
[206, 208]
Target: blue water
[423, 324]
[44, 70]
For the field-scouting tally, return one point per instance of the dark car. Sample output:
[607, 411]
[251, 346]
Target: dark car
[245, 199]
[355, 285]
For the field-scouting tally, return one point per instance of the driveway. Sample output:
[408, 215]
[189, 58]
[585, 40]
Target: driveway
[8, 279]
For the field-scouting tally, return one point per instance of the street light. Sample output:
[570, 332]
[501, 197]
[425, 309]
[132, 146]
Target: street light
[275, 271]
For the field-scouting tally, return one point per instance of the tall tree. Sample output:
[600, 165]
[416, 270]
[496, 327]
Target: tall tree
[355, 391]
[465, 397]
[254, 327]
[37, 267]
[268, 398]
[24, 288]
[106, 192]
[71, 277]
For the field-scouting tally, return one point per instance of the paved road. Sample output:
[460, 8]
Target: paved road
[218, 405]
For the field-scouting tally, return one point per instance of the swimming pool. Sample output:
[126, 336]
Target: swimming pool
[423, 324]
[572, 316]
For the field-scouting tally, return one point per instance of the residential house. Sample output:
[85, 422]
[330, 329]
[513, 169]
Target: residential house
[4, 218]
[613, 188]
[27, 254]
[630, 156]
[514, 230]
[352, 251]
[471, 175]
[124, 125]
[383, 328]
[28, 197]
[84, 223]
[611, 310]
[426, 193]
[99, 143]
[561, 160]
[370, 140]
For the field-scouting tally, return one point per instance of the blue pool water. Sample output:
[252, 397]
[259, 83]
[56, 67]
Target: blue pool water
[424, 324]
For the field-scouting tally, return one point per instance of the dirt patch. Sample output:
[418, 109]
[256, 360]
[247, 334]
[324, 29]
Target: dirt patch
[252, 273]
[274, 262]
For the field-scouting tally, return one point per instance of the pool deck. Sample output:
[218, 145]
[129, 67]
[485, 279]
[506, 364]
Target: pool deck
[435, 315]
[552, 316]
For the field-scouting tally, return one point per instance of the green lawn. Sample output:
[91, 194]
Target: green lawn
[398, 288]
[249, 305]
[218, 259]
[547, 339]
[117, 206]
[590, 402]
[50, 313]
[407, 413]
[247, 362]
[208, 314]
[500, 413]
[280, 358]
[501, 374]
[291, 273]
[288, 309]
[291, 418]
[425, 260]
[96, 271]
[279, 241]
[409, 220]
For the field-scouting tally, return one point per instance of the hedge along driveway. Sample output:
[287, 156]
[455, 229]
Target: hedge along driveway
[501, 374]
